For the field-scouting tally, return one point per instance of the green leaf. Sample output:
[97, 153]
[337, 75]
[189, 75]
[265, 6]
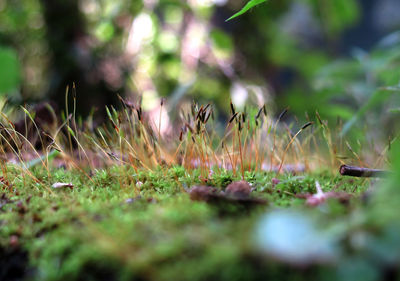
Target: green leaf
[71, 131]
[247, 7]
[342, 13]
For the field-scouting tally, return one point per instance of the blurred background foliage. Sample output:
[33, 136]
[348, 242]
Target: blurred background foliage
[338, 57]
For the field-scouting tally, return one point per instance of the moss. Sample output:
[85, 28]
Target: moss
[109, 228]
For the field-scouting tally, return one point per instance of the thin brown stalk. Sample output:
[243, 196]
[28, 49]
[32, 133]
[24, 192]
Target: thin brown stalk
[355, 171]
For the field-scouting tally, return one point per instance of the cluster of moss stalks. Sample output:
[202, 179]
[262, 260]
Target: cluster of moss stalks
[107, 228]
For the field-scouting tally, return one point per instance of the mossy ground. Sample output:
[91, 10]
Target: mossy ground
[109, 227]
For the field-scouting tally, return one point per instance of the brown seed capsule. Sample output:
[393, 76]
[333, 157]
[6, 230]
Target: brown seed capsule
[208, 116]
[259, 113]
[198, 126]
[233, 117]
[203, 116]
[283, 113]
[199, 113]
[232, 108]
[306, 125]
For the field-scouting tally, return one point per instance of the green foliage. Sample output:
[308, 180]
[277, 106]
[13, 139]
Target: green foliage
[105, 31]
[248, 6]
[368, 80]
[339, 14]
[261, 50]
[376, 99]
[223, 43]
[10, 72]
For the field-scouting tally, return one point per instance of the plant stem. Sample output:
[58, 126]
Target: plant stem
[241, 155]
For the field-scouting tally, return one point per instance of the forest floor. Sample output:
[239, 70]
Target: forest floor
[124, 202]
[160, 226]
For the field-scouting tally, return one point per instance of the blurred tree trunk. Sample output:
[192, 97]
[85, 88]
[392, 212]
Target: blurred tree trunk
[74, 60]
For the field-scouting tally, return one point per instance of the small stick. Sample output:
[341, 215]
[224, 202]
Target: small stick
[354, 171]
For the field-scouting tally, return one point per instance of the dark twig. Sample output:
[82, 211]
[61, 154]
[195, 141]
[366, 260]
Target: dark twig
[353, 171]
